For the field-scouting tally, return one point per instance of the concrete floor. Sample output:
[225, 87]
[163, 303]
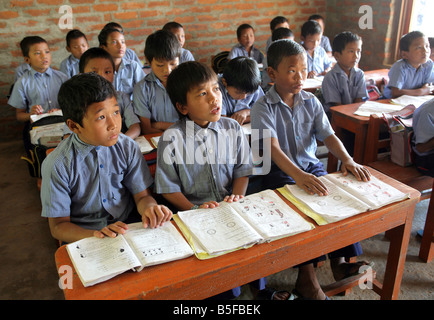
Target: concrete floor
[27, 268]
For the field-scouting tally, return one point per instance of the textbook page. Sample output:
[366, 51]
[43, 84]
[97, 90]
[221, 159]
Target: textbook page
[335, 206]
[36, 117]
[145, 146]
[378, 108]
[97, 260]
[375, 192]
[417, 101]
[219, 229]
[159, 245]
[270, 215]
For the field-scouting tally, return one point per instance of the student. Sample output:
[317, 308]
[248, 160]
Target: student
[24, 67]
[325, 42]
[245, 47]
[151, 101]
[212, 176]
[412, 74]
[345, 83]
[36, 91]
[127, 72]
[240, 88]
[295, 120]
[318, 63]
[431, 46]
[100, 61]
[97, 180]
[129, 53]
[276, 23]
[76, 45]
[178, 30]
[423, 138]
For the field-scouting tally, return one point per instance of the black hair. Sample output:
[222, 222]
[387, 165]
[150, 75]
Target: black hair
[93, 53]
[78, 93]
[277, 20]
[74, 34]
[280, 49]
[431, 42]
[341, 40]
[310, 27]
[243, 74]
[27, 42]
[406, 40]
[172, 25]
[184, 78]
[104, 34]
[162, 45]
[281, 33]
[316, 17]
[243, 27]
[114, 25]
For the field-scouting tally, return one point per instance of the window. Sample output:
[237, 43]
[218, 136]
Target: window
[421, 17]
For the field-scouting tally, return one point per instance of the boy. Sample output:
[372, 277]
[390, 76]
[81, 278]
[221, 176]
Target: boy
[240, 88]
[36, 91]
[431, 46]
[318, 63]
[24, 67]
[97, 179]
[296, 119]
[412, 74]
[276, 23]
[151, 101]
[178, 30]
[325, 42]
[345, 83]
[127, 72]
[245, 47]
[100, 61]
[76, 45]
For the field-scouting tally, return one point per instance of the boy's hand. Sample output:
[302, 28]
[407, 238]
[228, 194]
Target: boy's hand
[36, 109]
[209, 205]
[311, 74]
[112, 230]
[233, 198]
[241, 116]
[155, 216]
[360, 172]
[53, 110]
[311, 184]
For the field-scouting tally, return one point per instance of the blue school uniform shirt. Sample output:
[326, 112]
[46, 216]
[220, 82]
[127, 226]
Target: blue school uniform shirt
[131, 54]
[93, 185]
[239, 50]
[325, 44]
[151, 100]
[338, 88]
[319, 62]
[37, 88]
[69, 66]
[186, 55]
[19, 71]
[230, 105]
[127, 76]
[403, 75]
[423, 125]
[296, 129]
[202, 163]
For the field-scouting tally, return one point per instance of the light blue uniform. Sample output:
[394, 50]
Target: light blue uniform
[423, 125]
[239, 51]
[320, 61]
[186, 55]
[69, 66]
[128, 75]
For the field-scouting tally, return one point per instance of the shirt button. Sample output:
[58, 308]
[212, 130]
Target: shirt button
[104, 200]
[210, 151]
[101, 166]
[97, 148]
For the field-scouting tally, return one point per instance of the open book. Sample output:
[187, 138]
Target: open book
[144, 145]
[378, 108]
[417, 101]
[256, 218]
[347, 197]
[97, 260]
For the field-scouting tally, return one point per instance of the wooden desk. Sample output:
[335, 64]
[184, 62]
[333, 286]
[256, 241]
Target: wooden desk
[343, 117]
[191, 278]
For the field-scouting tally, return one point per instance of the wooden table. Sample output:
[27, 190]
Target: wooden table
[191, 278]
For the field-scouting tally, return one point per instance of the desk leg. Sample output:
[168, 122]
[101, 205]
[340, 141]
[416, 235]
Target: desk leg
[399, 238]
[359, 145]
[426, 251]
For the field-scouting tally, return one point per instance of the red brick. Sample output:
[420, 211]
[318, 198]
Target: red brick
[7, 14]
[125, 15]
[21, 3]
[153, 4]
[105, 7]
[37, 12]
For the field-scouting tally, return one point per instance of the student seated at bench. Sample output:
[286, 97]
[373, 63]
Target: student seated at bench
[97, 180]
[413, 74]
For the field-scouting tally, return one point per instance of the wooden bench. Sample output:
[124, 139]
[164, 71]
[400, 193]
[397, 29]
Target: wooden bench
[407, 175]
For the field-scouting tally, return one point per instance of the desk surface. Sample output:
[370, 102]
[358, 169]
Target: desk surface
[191, 278]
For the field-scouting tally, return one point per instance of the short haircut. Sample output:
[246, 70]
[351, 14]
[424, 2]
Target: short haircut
[243, 74]
[186, 77]
[281, 33]
[105, 33]
[243, 27]
[280, 49]
[310, 27]
[277, 20]
[27, 42]
[74, 34]
[172, 25]
[78, 93]
[94, 53]
[406, 40]
[113, 25]
[431, 42]
[162, 45]
[316, 17]
[341, 40]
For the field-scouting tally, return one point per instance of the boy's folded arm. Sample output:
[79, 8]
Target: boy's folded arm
[178, 200]
[422, 91]
[146, 126]
[64, 230]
